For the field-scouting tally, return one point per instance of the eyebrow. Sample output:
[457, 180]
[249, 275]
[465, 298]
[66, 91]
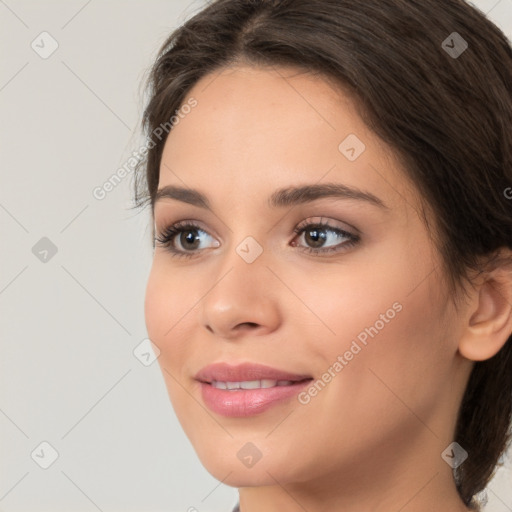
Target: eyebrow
[284, 197]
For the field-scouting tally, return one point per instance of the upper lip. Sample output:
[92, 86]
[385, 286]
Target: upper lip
[223, 372]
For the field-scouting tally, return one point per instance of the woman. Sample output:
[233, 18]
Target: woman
[330, 185]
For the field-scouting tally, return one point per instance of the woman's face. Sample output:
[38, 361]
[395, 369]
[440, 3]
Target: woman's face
[357, 305]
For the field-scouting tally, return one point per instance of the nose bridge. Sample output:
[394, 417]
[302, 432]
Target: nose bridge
[242, 272]
[244, 252]
[239, 293]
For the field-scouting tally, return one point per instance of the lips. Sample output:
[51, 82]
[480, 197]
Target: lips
[222, 372]
[247, 389]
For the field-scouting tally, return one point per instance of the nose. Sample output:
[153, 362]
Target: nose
[243, 298]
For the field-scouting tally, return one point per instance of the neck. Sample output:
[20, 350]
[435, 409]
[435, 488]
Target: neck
[429, 494]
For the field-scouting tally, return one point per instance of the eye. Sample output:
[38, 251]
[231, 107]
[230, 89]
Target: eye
[319, 234]
[183, 239]
[188, 241]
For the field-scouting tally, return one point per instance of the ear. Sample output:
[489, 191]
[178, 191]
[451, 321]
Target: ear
[489, 322]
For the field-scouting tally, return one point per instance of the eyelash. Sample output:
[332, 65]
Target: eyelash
[170, 232]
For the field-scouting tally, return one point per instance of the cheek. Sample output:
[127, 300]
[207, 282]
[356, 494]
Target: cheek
[402, 371]
[384, 318]
[157, 306]
[168, 308]
[352, 300]
[168, 311]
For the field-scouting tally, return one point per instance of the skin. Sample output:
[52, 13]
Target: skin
[372, 438]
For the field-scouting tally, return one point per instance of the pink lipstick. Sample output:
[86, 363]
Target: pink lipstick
[247, 389]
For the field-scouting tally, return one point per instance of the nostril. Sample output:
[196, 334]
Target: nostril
[250, 324]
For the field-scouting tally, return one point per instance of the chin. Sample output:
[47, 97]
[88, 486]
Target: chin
[245, 477]
[233, 471]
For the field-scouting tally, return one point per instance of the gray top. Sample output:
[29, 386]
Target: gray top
[237, 508]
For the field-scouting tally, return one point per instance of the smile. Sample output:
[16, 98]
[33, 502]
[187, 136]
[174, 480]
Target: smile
[251, 384]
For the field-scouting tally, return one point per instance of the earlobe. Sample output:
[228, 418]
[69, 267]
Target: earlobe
[490, 323]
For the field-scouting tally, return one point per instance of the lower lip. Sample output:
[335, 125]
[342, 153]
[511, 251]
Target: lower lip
[247, 402]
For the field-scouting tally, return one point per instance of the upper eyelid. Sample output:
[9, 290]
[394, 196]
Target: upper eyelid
[326, 223]
[306, 221]
[178, 224]
[299, 228]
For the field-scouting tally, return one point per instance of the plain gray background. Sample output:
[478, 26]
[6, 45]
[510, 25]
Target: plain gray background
[72, 317]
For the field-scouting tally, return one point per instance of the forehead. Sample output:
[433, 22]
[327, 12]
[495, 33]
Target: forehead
[257, 129]
[254, 105]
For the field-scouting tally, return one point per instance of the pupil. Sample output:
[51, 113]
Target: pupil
[191, 237]
[318, 237]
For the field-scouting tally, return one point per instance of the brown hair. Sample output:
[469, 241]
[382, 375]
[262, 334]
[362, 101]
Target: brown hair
[447, 116]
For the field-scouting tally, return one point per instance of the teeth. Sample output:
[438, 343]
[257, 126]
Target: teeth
[251, 384]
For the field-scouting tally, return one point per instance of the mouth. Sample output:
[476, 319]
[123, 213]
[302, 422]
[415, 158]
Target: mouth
[247, 373]
[252, 384]
[247, 389]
